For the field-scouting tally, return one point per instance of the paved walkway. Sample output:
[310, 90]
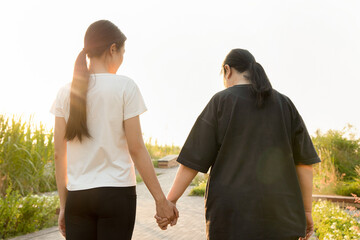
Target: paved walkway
[190, 226]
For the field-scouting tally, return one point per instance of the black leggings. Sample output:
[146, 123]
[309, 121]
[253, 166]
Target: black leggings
[104, 213]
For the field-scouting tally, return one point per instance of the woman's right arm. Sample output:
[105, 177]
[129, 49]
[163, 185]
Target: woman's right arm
[142, 161]
[305, 176]
[183, 178]
[60, 168]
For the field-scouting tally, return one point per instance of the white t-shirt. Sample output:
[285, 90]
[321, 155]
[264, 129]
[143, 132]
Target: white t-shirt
[104, 159]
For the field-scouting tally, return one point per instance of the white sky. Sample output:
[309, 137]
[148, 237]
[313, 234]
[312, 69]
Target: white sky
[309, 49]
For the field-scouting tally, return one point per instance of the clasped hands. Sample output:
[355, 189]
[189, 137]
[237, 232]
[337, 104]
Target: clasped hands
[166, 214]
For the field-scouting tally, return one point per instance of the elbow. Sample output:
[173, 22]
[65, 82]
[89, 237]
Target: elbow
[136, 150]
[56, 156]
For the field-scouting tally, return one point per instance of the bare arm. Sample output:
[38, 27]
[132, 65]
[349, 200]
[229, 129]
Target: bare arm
[60, 167]
[183, 178]
[142, 161]
[305, 176]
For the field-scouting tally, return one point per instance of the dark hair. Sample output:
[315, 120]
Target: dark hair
[242, 60]
[98, 37]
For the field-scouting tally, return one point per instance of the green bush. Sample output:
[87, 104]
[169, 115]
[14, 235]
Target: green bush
[198, 190]
[26, 156]
[348, 188]
[339, 171]
[339, 152]
[331, 222]
[199, 182]
[21, 215]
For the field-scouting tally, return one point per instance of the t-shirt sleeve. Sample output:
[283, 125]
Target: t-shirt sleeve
[57, 107]
[303, 148]
[200, 149]
[134, 104]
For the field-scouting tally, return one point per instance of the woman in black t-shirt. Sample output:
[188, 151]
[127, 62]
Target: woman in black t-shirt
[260, 155]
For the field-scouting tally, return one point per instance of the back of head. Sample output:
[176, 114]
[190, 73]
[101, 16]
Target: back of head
[99, 36]
[242, 60]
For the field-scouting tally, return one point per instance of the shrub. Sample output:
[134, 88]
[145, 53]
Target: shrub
[348, 188]
[198, 190]
[20, 215]
[331, 222]
[26, 156]
[339, 152]
[199, 178]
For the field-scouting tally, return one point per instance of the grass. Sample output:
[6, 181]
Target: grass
[157, 151]
[26, 156]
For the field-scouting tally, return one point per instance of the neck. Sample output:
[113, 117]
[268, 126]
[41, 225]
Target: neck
[238, 79]
[98, 66]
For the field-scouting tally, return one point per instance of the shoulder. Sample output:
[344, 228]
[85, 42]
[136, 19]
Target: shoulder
[282, 97]
[287, 102]
[221, 96]
[126, 80]
[64, 90]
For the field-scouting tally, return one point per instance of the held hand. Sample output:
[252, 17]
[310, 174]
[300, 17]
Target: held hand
[166, 213]
[162, 222]
[309, 226]
[61, 222]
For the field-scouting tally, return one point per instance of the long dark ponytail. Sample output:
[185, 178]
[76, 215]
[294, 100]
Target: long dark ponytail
[242, 60]
[99, 37]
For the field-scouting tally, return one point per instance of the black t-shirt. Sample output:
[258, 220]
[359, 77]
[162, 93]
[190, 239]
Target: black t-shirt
[253, 190]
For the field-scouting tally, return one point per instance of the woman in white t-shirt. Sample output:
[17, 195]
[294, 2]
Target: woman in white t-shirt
[97, 138]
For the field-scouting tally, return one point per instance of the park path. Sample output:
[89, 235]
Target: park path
[191, 224]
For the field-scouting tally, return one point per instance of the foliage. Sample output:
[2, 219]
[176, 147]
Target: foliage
[198, 190]
[26, 156]
[157, 151]
[199, 183]
[348, 188]
[338, 171]
[341, 149]
[331, 222]
[20, 215]
[200, 177]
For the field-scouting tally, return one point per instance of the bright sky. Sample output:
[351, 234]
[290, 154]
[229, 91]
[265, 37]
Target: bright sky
[309, 49]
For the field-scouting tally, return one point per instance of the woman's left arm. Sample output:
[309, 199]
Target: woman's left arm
[182, 180]
[60, 168]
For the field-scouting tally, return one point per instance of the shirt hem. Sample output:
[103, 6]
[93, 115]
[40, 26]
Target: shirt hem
[56, 114]
[85, 187]
[137, 113]
[192, 165]
[308, 161]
